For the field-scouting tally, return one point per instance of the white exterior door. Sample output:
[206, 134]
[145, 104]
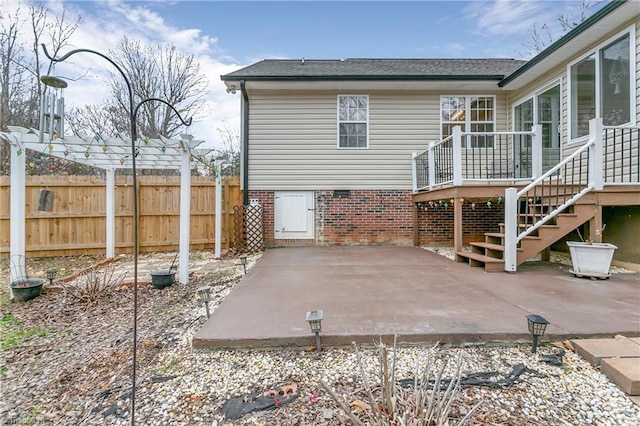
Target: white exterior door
[294, 214]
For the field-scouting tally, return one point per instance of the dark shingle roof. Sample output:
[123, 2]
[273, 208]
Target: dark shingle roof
[374, 69]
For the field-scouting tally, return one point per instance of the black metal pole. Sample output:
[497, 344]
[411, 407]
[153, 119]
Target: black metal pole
[136, 241]
[534, 345]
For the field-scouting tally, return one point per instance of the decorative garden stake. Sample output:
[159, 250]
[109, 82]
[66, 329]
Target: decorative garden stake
[57, 82]
[314, 318]
[537, 325]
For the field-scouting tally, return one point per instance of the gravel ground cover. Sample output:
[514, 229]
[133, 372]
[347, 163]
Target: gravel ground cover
[68, 362]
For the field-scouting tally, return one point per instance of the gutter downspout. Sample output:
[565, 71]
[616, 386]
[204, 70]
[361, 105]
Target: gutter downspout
[245, 144]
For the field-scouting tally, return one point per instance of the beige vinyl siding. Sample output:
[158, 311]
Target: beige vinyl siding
[293, 140]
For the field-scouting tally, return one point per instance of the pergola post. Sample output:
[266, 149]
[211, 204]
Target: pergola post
[17, 210]
[185, 214]
[110, 213]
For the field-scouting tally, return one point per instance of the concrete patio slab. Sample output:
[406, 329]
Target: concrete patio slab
[368, 293]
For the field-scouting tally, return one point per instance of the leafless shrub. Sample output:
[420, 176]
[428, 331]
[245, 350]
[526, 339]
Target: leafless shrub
[93, 283]
[427, 403]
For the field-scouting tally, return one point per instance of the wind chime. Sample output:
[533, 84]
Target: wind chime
[52, 108]
[51, 122]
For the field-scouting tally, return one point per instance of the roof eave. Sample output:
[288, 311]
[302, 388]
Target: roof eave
[235, 78]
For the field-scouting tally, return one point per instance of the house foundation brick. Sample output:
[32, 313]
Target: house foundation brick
[382, 217]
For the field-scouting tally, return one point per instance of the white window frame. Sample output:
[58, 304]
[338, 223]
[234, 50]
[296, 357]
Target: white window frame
[631, 32]
[467, 119]
[534, 95]
[355, 122]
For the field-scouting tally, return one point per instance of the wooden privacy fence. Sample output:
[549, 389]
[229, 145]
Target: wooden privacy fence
[76, 224]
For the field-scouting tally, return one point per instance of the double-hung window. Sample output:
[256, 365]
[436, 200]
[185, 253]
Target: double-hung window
[472, 114]
[600, 86]
[353, 121]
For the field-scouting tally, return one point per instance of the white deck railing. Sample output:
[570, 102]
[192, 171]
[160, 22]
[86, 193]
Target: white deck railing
[477, 157]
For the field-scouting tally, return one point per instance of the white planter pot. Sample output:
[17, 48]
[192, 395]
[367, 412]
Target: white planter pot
[591, 259]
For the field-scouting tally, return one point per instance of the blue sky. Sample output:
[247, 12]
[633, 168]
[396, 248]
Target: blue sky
[225, 36]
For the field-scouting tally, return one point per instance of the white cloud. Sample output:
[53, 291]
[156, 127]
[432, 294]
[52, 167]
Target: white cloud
[506, 17]
[102, 26]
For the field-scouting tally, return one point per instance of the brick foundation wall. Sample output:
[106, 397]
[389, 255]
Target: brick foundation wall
[383, 217]
[435, 222]
[365, 217]
[362, 217]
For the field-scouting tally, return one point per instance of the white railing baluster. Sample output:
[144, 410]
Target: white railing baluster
[414, 172]
[536, 152]
[432, 165]
[595, 154]
[510, 229]
[457, 155]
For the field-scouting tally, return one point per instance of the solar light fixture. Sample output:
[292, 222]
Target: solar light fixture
[314, 318]
[537, 325]
[243, 260]
[204, 296]
[51, 275]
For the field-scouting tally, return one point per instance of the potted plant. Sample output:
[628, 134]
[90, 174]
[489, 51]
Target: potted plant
[591, 259]
[24, 289]
[164, 277]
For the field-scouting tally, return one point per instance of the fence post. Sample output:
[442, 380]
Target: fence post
[536, 152]
[110, 214]
[457, 156]
[595, 154]
[431, 161]
[510, 229]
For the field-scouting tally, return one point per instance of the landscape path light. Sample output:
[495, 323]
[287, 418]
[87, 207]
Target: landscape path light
[204, 296]
[314, 318]
[51, 275]
[243, 260]
[537, 326]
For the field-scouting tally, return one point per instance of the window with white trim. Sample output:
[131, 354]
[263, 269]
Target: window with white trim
[472, 114]
[600, 87]
[353, 121]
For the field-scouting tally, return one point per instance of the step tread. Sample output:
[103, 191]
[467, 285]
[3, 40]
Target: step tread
[501, 235]
[490, 246]
[479, 257]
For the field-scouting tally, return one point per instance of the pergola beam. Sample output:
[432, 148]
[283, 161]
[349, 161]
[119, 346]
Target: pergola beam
[108, 154]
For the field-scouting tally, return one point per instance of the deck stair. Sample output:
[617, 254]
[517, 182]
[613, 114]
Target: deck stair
[490, 252]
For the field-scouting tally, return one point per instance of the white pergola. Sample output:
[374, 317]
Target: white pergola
[108, 154]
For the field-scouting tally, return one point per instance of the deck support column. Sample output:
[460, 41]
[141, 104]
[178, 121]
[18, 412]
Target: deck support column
[416, 229]
[595, 226]
[457, 224]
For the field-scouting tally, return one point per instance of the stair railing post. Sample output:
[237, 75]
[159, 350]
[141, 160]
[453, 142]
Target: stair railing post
[596, 180]
[431, 160]
[414, 171]
[457, 156]
[510, 229]
[536, 152]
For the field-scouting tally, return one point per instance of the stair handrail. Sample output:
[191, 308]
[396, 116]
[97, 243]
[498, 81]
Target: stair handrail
[511, 235]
